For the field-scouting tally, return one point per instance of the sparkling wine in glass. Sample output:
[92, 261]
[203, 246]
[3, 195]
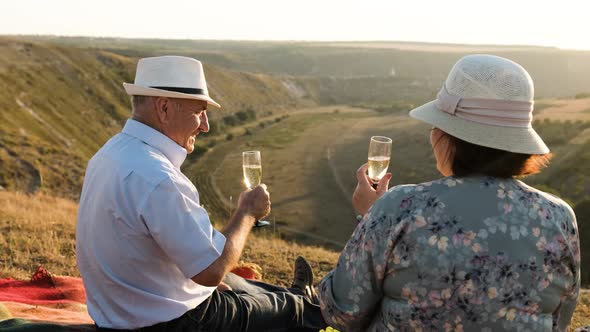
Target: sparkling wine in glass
[252, 166]
[379, 156]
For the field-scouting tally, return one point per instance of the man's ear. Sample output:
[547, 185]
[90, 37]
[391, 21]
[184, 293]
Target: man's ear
[162, 105]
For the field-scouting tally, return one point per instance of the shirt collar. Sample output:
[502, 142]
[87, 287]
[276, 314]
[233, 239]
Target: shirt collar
[174, 152]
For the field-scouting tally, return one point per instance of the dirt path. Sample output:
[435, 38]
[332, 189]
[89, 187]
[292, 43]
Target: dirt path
[47, 126]
[309, 235]
[310, 198]
[345, 193]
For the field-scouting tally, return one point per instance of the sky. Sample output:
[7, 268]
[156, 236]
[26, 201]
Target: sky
[563, 23]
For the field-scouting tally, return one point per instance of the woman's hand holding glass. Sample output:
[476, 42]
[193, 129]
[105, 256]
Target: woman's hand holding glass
[372, 177]
[365, 195]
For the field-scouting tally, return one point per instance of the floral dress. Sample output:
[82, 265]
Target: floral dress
[458, 254]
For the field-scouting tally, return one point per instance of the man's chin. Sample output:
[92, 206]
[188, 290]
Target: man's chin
[190, 148]
[190, 145]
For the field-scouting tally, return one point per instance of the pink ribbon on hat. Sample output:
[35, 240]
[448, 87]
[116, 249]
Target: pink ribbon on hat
[506, 113]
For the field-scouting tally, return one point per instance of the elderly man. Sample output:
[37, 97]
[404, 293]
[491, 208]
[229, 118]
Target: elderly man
[148, 254]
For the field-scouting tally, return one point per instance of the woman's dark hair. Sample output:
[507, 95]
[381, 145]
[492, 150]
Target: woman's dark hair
[472, 159]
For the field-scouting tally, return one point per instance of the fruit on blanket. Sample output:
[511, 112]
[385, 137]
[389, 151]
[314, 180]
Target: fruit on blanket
[248, 271]
[42, 277]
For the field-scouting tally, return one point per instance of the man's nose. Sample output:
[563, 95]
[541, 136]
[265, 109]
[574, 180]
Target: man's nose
[204, 127]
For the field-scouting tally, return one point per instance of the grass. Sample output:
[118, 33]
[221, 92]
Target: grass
[36, 230]
[39, 229]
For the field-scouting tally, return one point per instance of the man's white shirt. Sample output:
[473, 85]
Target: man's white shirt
[141, 233]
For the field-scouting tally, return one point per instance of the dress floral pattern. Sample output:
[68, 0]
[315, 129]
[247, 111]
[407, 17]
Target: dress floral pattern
[458, 254]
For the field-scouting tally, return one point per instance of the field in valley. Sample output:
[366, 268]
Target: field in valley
[561, 109]
[310, 158]
[309, 164]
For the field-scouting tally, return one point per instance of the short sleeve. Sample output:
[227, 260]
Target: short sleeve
[181, 227]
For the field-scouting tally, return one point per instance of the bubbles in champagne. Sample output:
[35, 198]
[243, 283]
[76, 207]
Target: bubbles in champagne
[378, 167]
[252, 175]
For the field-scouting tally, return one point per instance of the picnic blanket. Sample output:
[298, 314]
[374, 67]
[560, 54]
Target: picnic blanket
[44, 303]
[58, 303]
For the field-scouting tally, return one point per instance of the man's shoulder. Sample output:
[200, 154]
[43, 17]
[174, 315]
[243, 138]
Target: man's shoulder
[128, 155]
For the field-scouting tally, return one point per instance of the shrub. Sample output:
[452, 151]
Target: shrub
[197, 152]
[214, 127]
[243, 116]
[230, 120]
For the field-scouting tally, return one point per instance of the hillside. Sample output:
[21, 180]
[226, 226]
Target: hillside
[62, 97]
[39, 229]
[58, 105]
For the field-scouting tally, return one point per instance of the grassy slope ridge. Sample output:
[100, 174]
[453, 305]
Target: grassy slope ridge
[58, 105]
[39, 229]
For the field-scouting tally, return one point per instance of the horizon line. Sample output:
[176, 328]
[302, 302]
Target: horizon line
[457, 44]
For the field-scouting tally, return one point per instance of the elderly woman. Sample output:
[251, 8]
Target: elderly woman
[477, 250]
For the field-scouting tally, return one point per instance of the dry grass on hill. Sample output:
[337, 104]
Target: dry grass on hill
[36, 230]
[40, 229]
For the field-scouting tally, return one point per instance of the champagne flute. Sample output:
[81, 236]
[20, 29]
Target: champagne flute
[379, 156]
[252, 166]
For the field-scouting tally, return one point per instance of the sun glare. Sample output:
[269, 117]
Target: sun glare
[523, 22]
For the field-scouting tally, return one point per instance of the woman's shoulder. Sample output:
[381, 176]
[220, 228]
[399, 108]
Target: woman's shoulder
[451, 189]
[547, 199]
[399, 194]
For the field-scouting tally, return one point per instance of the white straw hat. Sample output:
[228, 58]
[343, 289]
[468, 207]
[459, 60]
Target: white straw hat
[170, 76]
[486, 100]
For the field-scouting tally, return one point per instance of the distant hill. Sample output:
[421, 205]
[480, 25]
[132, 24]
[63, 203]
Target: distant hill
[342, 70]
[59, 104]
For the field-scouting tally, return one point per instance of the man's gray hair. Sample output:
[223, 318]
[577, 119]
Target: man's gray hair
[138, 102]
